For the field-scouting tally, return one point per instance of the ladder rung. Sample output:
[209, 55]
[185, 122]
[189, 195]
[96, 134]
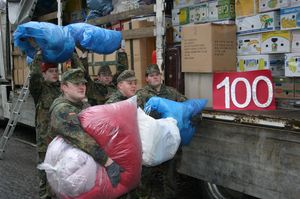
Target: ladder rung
[15, 112]
[11, 125]
[21, 100]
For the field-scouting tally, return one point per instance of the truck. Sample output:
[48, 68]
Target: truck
[233, 154]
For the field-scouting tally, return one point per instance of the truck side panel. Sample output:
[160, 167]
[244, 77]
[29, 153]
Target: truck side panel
[259, 161]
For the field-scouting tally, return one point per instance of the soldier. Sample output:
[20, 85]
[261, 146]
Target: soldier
[44, 88]
[126, 84]
[97, 91]
[64, 121]
[104, 81]
[155, 87]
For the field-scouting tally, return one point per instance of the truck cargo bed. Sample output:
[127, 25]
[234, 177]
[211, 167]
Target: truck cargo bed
[288, 119]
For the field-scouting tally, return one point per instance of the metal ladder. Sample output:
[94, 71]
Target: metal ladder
[14, 116]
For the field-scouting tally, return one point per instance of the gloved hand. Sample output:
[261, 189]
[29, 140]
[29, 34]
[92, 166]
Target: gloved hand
[155, 114]
[113, 172]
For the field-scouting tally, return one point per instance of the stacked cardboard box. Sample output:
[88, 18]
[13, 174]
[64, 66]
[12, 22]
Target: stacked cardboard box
[139, 51]
[20, 68]
[206, 48]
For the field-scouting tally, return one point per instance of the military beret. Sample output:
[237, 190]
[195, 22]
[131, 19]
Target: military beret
[74, 76]
[126, 75]
[45, 66]
[105, 70]
[152, 68]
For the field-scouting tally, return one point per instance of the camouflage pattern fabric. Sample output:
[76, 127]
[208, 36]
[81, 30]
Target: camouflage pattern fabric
[122, 64]
[144, 94]
[96, 93]
[43, 94]
[152, 68]
[116, 97]
[74, 75]
[105, 70]
[165, 172]
[64, 122]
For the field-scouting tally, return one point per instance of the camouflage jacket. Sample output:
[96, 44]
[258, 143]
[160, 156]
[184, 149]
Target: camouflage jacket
[64, 122]
[43, 94]
[116, 97]
[144, 94]
[96, 93]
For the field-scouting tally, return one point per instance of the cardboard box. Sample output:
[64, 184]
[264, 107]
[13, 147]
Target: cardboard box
[177, 34]
[283, 87]
[199, 85]
[289, 18]
[294, 3]
[208, 48]
[249, 44]
[276, 42]
[139, 51]
[295, 41]
[184, 16]
[292, 65]
[213, 11]
[199, 13]
[273, 62]
[175, 16]
[226, 9]
[185, 3]
[264, 22]
[244, 8]
[267, 5]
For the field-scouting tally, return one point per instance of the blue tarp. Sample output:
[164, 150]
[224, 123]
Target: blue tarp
[94, 38]
[57, 45]
[181, 111]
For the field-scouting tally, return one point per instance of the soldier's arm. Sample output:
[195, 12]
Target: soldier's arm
[178, 96]
[36, 78]
[65, 123]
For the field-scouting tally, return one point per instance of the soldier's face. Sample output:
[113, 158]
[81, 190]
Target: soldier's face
[105, 79]
[154, 79]
[127, 88]
[51, 75]
[74, 92]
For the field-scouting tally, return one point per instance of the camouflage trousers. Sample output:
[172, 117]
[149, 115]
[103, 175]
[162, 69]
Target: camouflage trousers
[157, 182]
[44, 188]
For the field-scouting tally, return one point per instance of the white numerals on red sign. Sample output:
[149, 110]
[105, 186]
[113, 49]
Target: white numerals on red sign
[230, 91]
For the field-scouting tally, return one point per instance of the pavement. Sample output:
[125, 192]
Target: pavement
[18, 173]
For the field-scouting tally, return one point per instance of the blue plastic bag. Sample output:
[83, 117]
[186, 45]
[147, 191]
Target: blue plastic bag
[180, 111]
[94, 38]
[56, 44]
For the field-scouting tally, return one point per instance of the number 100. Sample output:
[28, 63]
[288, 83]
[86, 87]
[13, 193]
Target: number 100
[230, 92]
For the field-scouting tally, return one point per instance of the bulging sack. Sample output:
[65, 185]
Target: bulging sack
[74, 174]
[57, 45]
[182, 112]
[94, 38]
[160, 138]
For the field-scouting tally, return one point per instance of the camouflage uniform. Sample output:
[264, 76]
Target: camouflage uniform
[117, 96]
[96, 93]
[43, 94]
[168, 169]
[144, 94]
[64, 120]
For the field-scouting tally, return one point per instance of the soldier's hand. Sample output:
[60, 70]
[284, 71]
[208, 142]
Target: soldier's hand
[113, 171]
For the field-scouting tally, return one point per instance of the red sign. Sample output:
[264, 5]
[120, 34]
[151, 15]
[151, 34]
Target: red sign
[243, 91]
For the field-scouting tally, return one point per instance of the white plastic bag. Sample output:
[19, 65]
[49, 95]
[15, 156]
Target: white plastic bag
[160, 138]
[69, 170]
